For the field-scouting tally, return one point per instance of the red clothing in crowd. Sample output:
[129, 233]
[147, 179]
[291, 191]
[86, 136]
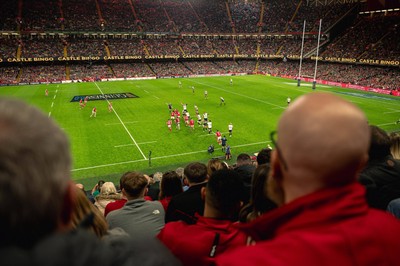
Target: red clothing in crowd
[198, 244]
[118, 204]
[330, 227]
[165, 201]
[115, 205]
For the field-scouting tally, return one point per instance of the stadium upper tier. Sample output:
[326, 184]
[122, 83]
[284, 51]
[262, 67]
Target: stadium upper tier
[177, 16]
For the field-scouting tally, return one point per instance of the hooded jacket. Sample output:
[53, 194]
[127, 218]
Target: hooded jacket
[330, 227]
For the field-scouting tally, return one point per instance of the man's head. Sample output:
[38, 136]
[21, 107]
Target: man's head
[380, 144]
[195, 173]
[264, 156]
[323, 140]
[223, 194]
[35, 163]
[134, 185]
[243, 159]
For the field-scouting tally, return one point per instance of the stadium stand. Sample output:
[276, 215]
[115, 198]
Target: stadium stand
[364, 50]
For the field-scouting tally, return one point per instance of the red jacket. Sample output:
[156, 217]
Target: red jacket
[198, 244]
[331, 227]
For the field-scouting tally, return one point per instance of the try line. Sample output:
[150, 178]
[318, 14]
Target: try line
[162, 157]
[127, 131]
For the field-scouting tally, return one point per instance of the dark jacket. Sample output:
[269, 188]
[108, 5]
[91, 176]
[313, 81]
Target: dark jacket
[382, 180]
[185, 205]
[246, 174]
[83, 248]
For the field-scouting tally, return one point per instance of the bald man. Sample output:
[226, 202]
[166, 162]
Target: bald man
[323, 218]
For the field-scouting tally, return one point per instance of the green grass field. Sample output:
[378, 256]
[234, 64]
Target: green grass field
[119, 141]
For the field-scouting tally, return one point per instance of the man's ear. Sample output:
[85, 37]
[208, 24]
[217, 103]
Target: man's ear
[273, 189]
[69, 201]
[203, 193]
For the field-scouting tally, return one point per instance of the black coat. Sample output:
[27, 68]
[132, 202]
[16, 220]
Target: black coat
[184, 205]
[382, 180]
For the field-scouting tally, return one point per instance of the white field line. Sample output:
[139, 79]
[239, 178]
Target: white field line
[392, 112]
[156, 97]
[241, 95]
[144, 90]
[213, 134]
[52, 104]
[114, 124]
[54, 97]
[393, 123]
[49, 114]
[147, 142]
[127, 131]
[161, 157]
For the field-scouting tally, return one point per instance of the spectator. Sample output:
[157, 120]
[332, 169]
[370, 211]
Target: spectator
[96, 189]
[214, 165]
[323, 218]
[170, 186]
[140, 218]
[245, 168]
[154, 186]
[117, 204]
[36, 160]
[381, 176]
[264, 156]
[394, 208]
[86, 215]
[215, 233]
[185, 205]
[259, 202]
[395, 146]
[108, 193]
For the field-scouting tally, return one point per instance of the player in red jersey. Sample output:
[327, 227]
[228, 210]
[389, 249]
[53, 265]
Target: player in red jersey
[178, 123]
[46, 92]
[86, 100]
[81, 104]
[94, 112]
[186, 118]
[218, 134]
[191, 124]
[169, 125]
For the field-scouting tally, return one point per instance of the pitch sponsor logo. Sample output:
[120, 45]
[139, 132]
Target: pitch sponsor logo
[108, 96]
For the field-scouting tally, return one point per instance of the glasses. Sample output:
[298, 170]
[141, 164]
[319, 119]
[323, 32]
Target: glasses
[272, 137]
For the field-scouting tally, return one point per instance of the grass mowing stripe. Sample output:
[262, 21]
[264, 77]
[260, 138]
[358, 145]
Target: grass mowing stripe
[130, 135]
[238, 94]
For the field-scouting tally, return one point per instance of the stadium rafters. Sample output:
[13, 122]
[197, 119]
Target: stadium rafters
[329, 2]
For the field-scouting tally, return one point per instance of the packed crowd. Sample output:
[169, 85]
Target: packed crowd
[120, 47]
[307, 196]
[360, 40]
[8, 75]
[132, 70]
[86, 47]
[90, 72]
[52, 73]
[117, 16]
[363, 75]
[166, 16]
[42, 48]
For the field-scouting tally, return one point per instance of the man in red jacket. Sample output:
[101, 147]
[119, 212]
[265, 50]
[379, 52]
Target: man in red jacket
[323, 218]
[216, 232]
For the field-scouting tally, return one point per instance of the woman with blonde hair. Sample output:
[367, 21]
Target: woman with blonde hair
[214, 165]
[395, 147]
[108, 193]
